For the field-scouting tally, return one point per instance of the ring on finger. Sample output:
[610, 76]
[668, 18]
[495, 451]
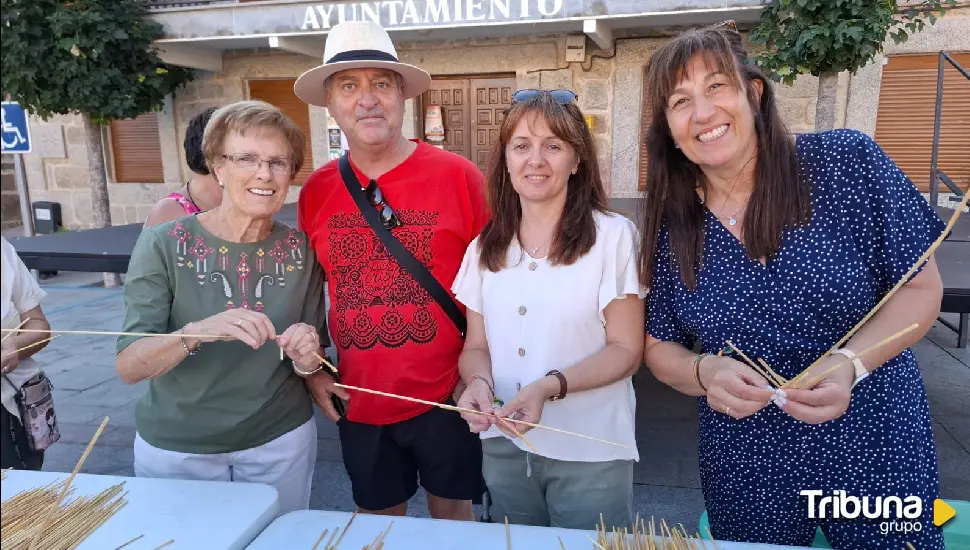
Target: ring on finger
[727, 410]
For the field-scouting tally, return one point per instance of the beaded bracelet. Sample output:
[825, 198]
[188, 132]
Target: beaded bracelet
[188, 351]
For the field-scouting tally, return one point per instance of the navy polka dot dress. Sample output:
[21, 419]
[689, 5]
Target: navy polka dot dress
[869, 226]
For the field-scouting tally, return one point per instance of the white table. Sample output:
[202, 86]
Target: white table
[300, 531]
[197, 514]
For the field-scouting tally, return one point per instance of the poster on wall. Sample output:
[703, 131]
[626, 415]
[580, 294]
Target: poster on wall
[336, 140]
[434, 127]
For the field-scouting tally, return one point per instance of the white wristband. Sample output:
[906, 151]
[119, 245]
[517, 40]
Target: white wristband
[860, 369]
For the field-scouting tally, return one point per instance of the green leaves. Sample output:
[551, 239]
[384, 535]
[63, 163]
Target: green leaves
[88, 56]
[818, 36]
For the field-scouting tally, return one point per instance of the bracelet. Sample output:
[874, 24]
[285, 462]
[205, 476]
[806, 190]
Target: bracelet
[185, 346]
[482, 378]
[304, 374]
[697, 369]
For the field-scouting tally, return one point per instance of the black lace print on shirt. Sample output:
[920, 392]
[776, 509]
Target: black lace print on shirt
[377, 301]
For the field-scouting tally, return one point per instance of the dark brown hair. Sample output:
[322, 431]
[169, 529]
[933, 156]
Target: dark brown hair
[585, 194]
[780, 197]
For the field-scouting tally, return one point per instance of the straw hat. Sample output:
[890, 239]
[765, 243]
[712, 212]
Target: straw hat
[358, 45]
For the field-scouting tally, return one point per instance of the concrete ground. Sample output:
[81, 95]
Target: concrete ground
[666, 479]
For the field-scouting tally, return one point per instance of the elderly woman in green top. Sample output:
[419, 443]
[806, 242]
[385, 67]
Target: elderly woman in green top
[230, 288]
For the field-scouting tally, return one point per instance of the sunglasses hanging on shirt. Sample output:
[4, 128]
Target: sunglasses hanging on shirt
[389, 218]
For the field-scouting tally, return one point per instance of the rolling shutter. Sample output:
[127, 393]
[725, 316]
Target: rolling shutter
[907, 107]
[136, 150]
[280, 93]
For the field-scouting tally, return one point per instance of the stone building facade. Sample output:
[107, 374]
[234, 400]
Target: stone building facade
[609, 82]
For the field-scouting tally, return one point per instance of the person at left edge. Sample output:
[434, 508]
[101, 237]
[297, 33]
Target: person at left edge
[390, 334]
[222, 286]
[20, 300]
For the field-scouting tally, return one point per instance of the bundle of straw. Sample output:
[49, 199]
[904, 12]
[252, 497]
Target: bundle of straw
[41, 518]
[67, 525]
[645, 537]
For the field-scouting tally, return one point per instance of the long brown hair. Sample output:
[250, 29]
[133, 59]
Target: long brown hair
[576, 230]
[781, 195]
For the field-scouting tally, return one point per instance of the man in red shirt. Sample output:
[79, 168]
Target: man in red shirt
[391, 334]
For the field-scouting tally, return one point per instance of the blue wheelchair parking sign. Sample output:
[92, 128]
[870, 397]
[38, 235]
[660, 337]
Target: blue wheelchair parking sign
[16, 130]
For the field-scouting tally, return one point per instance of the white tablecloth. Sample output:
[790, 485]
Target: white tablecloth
[302, 529]
[197, 514]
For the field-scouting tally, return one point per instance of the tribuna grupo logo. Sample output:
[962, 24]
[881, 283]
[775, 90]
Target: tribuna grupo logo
[896, 515]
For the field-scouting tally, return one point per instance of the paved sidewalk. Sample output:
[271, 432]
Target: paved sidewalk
[667, 482]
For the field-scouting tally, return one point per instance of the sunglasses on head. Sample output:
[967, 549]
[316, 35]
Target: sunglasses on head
[729, 24]
[563, 97]
[388, 218]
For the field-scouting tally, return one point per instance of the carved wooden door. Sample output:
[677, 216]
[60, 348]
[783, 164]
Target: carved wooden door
[452, 97]
[491, 96]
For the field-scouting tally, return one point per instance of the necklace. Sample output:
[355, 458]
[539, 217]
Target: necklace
[536, 249]
[733, 218]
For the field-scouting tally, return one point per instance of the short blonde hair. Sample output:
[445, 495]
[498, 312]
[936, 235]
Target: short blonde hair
[242, 116]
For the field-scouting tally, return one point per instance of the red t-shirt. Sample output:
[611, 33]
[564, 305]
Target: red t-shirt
[391, 335]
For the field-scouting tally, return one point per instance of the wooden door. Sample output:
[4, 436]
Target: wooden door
[907, 107]
[492, 97]
[280, 93]
[452, 97]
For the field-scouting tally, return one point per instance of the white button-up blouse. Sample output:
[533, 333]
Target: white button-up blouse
[540, 317]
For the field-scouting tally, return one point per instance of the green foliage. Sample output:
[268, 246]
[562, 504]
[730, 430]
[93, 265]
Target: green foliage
[84, 56]
[818, 36]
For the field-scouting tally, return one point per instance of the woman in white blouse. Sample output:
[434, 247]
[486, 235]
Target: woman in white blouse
[555, 324]
[19, 300]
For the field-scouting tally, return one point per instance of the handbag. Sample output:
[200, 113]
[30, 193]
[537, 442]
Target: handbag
[412, 265]
[35, 401]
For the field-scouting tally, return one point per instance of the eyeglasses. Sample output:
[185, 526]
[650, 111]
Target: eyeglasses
[563, 97]
[248, 162]
[388, 218]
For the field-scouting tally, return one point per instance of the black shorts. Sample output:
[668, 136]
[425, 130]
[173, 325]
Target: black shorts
[385, 463]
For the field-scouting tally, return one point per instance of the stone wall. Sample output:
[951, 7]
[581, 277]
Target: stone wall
[58, 171]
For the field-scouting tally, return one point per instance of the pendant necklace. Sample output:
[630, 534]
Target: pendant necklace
[733, 218]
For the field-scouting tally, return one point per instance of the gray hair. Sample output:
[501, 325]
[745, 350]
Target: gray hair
[328, 84]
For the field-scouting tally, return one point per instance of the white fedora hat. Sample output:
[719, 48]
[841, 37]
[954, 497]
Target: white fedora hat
[358, 45]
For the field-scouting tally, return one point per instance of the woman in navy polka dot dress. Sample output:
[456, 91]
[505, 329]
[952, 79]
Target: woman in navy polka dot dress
[781, 245]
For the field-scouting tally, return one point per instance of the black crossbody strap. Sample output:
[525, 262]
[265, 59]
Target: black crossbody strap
[414, 266]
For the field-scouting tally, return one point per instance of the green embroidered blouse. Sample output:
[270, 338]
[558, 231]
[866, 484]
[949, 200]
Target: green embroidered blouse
[228, 397]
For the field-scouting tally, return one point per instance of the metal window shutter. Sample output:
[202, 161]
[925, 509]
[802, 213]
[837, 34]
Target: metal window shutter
[907, 107]
[280, 93]
[136, 150]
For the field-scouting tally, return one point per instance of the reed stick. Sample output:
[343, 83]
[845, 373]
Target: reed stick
[458, 409]
[346, 528]
[905, 278]
[11, 332]
[319, 540]
[107, 333]
[28, 346]
[508, 534]
[757, 368]
[164, 544]
[847, 360]
[60, 497]
[129, 542]
[771, 371]
[518, 434]
[473, 411]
